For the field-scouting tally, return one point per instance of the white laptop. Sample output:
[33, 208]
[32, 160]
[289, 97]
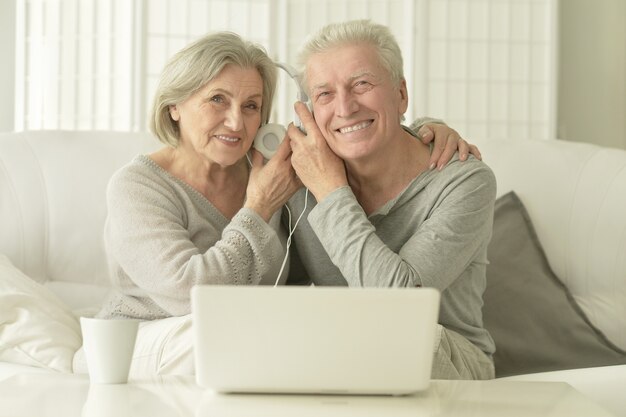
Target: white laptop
[317, 340]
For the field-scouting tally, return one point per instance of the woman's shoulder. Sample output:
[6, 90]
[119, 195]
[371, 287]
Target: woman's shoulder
[140, 174]
[141, 166]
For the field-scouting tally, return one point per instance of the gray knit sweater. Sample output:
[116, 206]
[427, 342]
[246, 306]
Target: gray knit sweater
[162, 237]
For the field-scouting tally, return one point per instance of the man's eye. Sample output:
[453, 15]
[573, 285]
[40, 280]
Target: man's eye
[362, 86]
[322, 94]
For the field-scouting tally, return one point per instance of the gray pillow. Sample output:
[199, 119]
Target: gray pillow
[535, 322]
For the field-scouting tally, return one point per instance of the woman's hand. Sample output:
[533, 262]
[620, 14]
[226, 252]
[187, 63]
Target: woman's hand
[447, 142]
[270, 185]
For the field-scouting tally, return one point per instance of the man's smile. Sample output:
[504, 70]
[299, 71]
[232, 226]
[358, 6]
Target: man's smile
[355, 127]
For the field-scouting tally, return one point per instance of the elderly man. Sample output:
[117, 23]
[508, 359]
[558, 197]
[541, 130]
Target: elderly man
[379, 215]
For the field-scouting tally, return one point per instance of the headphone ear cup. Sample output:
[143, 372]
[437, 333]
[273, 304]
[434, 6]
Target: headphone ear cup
[269, 138]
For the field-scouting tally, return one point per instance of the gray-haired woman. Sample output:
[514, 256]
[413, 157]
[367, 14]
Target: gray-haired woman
[196, 211]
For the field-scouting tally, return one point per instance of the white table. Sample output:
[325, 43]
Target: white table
[44, 395]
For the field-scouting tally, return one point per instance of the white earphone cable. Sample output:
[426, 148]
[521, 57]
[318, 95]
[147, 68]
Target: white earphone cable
[291, 231]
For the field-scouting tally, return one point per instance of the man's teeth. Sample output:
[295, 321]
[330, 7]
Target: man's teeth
[355, 127]
[227, 138]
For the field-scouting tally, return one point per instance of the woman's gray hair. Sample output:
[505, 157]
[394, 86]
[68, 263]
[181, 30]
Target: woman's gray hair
[355, 32]
[194, 66]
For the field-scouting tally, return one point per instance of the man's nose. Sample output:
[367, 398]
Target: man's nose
[346, 104]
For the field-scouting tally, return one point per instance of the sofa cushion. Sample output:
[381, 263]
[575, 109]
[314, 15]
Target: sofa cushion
[36, 328]
[533, 318]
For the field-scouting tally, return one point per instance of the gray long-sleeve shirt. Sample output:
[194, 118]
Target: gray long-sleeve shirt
[434, 234]
[162, 237]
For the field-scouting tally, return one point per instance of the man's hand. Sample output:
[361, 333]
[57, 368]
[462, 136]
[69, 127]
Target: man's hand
[317, 166]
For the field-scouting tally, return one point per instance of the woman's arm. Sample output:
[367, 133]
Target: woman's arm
[447, 141]
[165, 243]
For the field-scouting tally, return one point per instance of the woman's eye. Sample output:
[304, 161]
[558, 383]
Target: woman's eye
[217, 99]
[253, 106]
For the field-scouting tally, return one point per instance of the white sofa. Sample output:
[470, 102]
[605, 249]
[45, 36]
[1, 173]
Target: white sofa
[52, 210]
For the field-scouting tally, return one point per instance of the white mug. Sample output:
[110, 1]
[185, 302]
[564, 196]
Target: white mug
[108, 346]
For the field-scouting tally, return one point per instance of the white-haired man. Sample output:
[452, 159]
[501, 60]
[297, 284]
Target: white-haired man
[381, 216]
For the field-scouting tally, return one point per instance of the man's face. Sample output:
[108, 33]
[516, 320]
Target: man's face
[357, 106]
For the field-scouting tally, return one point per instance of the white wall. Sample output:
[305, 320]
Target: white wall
[592, 72]
[7, 69]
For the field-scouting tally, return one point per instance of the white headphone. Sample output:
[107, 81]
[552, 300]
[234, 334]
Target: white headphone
[269, 136]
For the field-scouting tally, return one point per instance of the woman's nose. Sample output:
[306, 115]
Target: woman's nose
[234, 119]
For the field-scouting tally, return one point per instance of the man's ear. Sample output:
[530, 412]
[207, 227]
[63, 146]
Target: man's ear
[174, 112]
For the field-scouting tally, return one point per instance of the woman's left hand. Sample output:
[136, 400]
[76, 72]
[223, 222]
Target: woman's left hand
[447, 142]
[271, 184]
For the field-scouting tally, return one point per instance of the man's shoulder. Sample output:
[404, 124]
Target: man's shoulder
[471, 166]
[466, 176]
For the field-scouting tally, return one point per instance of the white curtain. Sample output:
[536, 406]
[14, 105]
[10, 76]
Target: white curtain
[487, 67]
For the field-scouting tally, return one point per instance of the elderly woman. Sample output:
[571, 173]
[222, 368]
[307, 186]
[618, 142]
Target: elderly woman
[198, 210]
[195, 212]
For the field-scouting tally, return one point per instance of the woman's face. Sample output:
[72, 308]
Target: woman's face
[220, 120]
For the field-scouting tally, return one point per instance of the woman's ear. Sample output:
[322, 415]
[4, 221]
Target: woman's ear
[404, 97]
[174, 112]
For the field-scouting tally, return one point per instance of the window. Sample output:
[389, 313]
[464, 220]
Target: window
[487, 67]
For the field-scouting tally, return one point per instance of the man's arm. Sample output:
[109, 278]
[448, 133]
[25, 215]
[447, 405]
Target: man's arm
[434, 254]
